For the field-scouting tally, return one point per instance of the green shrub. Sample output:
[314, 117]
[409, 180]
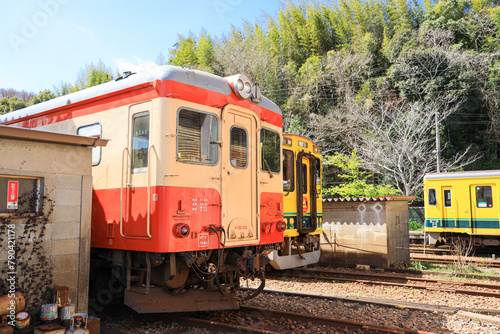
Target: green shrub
[415, 226]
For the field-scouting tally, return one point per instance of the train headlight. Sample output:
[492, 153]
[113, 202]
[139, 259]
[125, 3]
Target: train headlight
[281, 226]
[181, 230]
[241, 85]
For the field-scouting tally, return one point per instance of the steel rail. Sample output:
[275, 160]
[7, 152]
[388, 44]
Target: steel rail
[333, 276]
[220, 326]
[324, 321]
[453, 259]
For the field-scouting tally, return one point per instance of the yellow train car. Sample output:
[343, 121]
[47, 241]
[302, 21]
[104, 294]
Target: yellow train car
[463, 204]
[303, 206]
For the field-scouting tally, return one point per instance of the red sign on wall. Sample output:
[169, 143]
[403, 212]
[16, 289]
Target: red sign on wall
[12, 195]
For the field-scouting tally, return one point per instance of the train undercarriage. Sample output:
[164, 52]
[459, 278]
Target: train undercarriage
[296, 252]
[177, 282]
[461, 240]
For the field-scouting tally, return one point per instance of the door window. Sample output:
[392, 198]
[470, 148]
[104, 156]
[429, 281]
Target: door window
[239, 147]
[140, 142]
[484, 198]
[304, 178]
[447, 198]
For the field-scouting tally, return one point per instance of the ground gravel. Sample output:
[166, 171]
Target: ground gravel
[405, 318]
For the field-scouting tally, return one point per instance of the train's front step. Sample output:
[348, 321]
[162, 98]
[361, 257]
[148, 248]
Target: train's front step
[160, 301]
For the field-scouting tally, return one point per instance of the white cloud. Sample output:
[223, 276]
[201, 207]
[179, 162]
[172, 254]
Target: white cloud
[139, 66]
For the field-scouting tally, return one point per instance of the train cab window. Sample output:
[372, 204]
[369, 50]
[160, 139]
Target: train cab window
[92, 130]
[140, 142]
[447, 198]
[288, 169]
[484, 198]
[197, 137]
[270, 145]
[239, 147]
[431, 196]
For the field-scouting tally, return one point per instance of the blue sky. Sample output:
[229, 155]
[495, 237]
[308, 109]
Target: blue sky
[44, 42]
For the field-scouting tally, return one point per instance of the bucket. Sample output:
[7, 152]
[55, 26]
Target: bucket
[49, 312]
[66, 312]
[23, 319]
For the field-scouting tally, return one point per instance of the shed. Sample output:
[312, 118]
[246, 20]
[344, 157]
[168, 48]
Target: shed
[365, 231]
[45, 208]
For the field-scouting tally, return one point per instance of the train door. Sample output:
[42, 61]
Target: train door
[306, 167]
[137, 173]
[482, 207]
[448, 209]
[239, 175]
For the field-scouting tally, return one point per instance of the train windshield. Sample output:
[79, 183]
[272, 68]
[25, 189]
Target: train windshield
[270, 144]
[432, 196]
[288, 169]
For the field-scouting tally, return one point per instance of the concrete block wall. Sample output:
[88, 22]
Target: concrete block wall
[371, 233]
[65, 240]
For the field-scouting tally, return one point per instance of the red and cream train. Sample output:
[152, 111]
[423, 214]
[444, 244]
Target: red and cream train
[188, 193]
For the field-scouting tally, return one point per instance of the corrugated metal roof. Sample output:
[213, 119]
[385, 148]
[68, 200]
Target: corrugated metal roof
[370, 199]
[11, 132]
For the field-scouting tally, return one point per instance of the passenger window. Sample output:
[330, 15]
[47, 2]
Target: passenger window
[92, 130]
[140, 142]
[484, 198]
[288, 169]
[197, 137]
[447, 198]
[270, 145]
[239, 147]
[431, 196]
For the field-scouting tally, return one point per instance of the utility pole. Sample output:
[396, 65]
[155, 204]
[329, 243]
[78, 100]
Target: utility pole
[438, 144]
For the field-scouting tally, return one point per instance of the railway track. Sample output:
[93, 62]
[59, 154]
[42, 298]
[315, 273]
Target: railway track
[416, 248]
[451, 286]
[450, 259]
[261, 320]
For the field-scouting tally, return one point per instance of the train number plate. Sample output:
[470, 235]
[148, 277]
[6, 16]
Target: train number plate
[203, 240]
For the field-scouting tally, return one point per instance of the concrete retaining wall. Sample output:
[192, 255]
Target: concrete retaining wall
[370, 232]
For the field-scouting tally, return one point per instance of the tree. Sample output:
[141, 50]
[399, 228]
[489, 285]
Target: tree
[92, 75]
[356, 181]
[184, 52]
[11, 104]
[42, 97]
[160, 60]
[88, 76]
[398, 143]
[10, 92]
[205, 53]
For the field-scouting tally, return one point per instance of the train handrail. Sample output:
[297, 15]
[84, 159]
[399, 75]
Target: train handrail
[455, 212]
[148, 222]
[121, 196]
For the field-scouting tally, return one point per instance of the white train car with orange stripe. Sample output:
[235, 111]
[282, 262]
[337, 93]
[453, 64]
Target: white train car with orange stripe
[188, 192]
